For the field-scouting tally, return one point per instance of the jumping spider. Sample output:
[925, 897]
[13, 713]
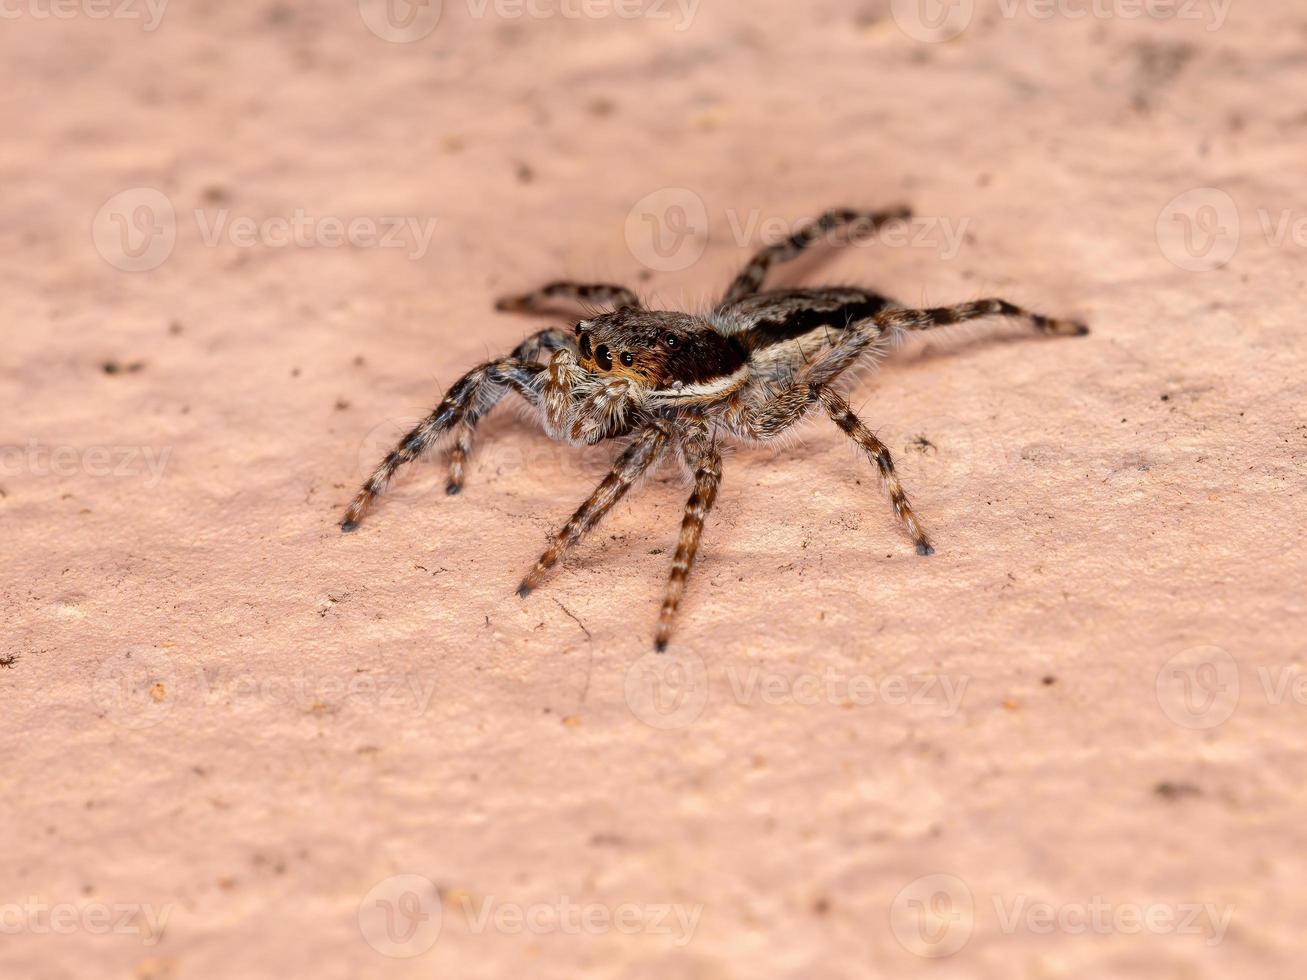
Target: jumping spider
[675, 383]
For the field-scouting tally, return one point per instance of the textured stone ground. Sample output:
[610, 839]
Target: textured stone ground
[223, 717]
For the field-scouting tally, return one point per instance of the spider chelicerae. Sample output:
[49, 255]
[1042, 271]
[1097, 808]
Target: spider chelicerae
[677, 384]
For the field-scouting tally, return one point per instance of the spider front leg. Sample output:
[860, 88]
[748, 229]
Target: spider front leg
[702, 455]
[579, 293]
[634, 462]
[483, 384]
[460, 447]
[864, 223]
[582, 409]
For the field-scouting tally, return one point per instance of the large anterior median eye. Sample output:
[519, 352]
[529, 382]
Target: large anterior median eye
[585, 345]
[603, 358]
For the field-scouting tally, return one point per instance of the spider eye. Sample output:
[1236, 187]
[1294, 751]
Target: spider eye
[585, 345]
[672, 341]
[628, 358]
[603, 358]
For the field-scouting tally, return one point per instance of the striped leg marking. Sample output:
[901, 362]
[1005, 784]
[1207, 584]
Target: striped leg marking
[480, 383]
[876, 332]
[864, 223]
[542, 300]
[878, 453]
[707, 462]
[943, 316]
[642, 453]
[460, 447]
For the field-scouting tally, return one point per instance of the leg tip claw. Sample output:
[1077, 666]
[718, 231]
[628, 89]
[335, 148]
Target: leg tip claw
[454, 489]
[524, 590]
[1066, 328]
[925, 550]
[346, 526]
[660, 645]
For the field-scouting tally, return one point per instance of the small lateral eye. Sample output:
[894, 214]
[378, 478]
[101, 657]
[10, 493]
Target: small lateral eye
[628, 358]
[585, 345]
[672, 341]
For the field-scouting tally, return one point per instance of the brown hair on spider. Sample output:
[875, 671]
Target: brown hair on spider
[661, 350]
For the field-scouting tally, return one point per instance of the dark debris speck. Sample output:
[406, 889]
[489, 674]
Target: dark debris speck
[117, 367]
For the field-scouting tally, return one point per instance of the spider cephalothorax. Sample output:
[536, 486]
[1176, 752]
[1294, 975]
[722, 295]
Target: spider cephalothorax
[673, 353]
[676, 384]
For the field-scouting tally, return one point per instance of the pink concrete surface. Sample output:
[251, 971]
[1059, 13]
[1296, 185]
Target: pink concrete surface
[229, 730]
